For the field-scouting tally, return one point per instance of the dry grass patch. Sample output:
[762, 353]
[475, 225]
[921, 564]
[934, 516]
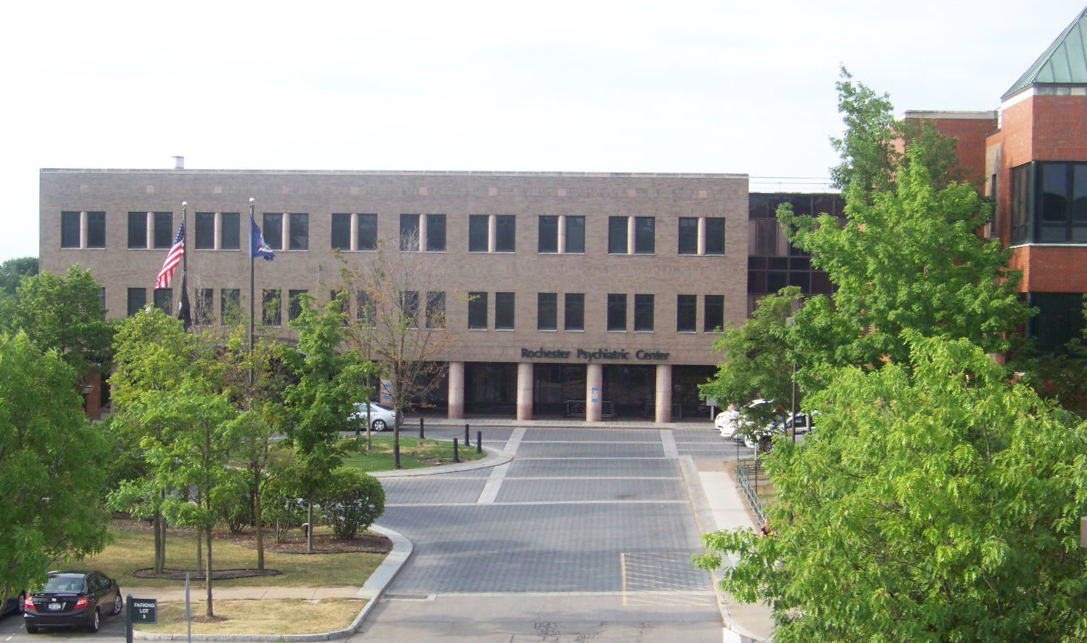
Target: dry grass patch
[259, 617]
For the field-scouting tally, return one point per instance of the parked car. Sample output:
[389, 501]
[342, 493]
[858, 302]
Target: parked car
[13, 604]
[72, 599]
[381, 417]
[728, 422]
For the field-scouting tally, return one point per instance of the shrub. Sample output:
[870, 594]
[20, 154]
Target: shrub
[354, 501]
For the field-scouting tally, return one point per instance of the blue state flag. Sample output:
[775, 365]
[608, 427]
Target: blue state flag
[257, 246]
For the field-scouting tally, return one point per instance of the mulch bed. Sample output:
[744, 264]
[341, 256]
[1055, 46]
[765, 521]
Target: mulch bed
[294, 543]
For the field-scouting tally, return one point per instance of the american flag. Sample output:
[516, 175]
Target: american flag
[177, 251]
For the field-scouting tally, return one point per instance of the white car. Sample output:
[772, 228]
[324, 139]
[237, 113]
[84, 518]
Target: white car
[381, 417]
[728, 421]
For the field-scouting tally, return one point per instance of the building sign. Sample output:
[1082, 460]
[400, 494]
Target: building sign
[590, 355]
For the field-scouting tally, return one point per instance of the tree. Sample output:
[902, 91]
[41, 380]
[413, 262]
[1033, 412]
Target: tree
[13, 270]
[400, 323]
[317, 405]
[52, 472]
[935, 502]
[65, 314]
[758, 358]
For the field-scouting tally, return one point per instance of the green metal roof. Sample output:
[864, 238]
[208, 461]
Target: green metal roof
[1063, 63]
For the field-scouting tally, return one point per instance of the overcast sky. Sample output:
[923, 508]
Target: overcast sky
[589, 85]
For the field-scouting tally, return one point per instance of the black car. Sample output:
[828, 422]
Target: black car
[72, 599]
[13, 604]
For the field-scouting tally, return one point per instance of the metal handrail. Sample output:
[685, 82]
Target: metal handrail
[743, 478]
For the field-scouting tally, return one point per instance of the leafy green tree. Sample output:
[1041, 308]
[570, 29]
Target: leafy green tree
[63, 313]
[758, 358]
[318, 403]
[13, 270]
[353, 501]
[935, 502]
[52, 470]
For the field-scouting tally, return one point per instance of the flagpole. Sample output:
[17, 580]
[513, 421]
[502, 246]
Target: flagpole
[251, 288]
[183, 299]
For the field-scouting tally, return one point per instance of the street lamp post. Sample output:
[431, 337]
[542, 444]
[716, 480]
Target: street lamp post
[792, 417]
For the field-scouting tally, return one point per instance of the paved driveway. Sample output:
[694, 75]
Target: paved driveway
[587, 533]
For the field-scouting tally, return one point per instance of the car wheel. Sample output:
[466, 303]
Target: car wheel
[118, 603]
[30, 629]
[21, 607]
[379, 425]
[96, 620]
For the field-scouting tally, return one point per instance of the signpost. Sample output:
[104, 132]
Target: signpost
[139, 610]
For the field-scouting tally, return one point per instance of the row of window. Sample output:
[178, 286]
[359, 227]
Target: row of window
[486, 232]
[1049, 203]
[547, 309]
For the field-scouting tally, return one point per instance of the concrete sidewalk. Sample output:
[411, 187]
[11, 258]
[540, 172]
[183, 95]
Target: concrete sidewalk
[719, 506]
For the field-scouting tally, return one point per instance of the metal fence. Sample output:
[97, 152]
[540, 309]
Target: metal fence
[747, 478]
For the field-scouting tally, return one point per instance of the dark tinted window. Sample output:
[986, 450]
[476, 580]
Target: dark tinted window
[575, 235]
[617, 235]
[230, 303]
[137, 299]
[477, 232]
[503, 310]
[644, 235]
[435, 309]
[547, 311]
[409, 307]
[69, 229]
[715, 236]
[295, 307]
[549, 234]
[299, 231]
[643, 312]
[477, 310]
[435, 233]
[96, 229]
[205, 230]
[617, 311]
[205, 305]
[272, 231]
[367, 232]
[271, 307]
[341, 232]
[231, 234]
[574, 312]
[137, 229]
[714, 313]
[164, 229]
[505, 233]
[688, 236]
[409, 232]
[686, 313]
[164, 299]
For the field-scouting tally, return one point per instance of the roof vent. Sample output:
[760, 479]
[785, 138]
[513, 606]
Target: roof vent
[179, 162]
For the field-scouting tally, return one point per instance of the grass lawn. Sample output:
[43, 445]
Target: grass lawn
[258, 617]
[414, 453]
[134, 549]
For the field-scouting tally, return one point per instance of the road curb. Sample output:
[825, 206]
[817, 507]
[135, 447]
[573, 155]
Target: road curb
[374, 588]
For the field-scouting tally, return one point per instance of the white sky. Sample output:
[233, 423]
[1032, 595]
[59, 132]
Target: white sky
[561, 85]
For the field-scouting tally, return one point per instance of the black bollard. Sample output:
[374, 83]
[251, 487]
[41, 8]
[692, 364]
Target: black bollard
[421, 436]
[479, 441]
[467, 442]
[456, 453]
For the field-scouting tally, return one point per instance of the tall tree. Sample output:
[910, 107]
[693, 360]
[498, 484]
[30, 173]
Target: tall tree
[400, 323]
[935, 502]
[52, 467]
[319, 402]
[13, 270]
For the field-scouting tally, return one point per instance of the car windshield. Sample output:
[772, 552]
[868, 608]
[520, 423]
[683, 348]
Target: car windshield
[64, 583]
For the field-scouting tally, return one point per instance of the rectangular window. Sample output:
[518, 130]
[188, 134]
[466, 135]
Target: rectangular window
[688, 235]
[271, 307]
[435, 233]
[96, 229]
[294, 307]
[1062, 202]
[686, 313]
[435, 309]
[69, 229]
[409, 307]
[367, 235]
[547, 311]
[505, 233]
[617, 235]
[205, 231]
[1021, 203]
[272, 230]
[549, 235]
[645, 235]
[365, 311]
[230, 306]
[341, 231]
[299, 230]
[715, 235]
[137, 229]
[409, 232]
[617, 311]
[137, 299]
[477, 310]
[478, 232]
[503, 310]
[164, 298]
[643, 313]
[575, 235]
[205, 306]
[231, 232]
[766, 237]
[714, 311]
[574, 311]
[164, 229]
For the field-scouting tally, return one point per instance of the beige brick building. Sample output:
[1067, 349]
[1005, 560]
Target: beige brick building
[565, 294]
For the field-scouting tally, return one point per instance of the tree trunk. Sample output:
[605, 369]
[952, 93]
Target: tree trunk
[199, 551]
[159, 527]
[309, 531]
[257, 519]
[210, 611]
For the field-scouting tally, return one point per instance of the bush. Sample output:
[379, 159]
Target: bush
[281, 508]
[354, 501]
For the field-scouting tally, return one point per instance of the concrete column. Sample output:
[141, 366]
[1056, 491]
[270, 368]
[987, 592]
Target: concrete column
[218, 235]
[524, 391]
[422, 233]
[630, 235]
[285, 230]
[701, 235]
[354, 232]
[456, 390]
[150, 222]
[83, 229]
[562, 234]
[492, 233]
[594, 392]
[664, 393]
